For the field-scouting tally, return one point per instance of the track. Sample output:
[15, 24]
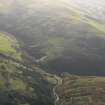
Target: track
[59, 82]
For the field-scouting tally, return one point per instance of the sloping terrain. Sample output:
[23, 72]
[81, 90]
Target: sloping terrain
[24, 85]
[68, 35]
[54, 36]
[9, 46]
[82, 90]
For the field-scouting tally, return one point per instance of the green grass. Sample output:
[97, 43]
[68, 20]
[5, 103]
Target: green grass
[18, 85]
[98, 26]
[94, 24]
[79, 16]
[2, 84]
[8, 45]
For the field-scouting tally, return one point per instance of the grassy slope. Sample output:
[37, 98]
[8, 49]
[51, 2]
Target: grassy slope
[19, 86]
[85, 90]
[79, 15]
[8, 45]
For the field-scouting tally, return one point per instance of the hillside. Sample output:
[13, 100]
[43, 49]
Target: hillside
[9, 45]
[24, 85]
[70, 36]
[82, 90]
[43, 42]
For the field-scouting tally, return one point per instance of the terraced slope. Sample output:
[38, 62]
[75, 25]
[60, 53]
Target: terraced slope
[9, 46]
[79, 90]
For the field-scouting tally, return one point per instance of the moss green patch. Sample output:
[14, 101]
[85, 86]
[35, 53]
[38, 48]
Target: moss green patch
[18, 85]
[96, 25]
[8, 45]
[2, 84]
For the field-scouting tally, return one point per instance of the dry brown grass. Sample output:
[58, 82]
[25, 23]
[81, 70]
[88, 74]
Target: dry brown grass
[83, 90]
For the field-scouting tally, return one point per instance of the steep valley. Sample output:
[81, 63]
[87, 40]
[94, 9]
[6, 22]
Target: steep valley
[52, 52]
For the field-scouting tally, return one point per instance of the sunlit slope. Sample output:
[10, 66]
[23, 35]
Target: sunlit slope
[93, 23]
[81, 14]
[9, 45]
[89, 13]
